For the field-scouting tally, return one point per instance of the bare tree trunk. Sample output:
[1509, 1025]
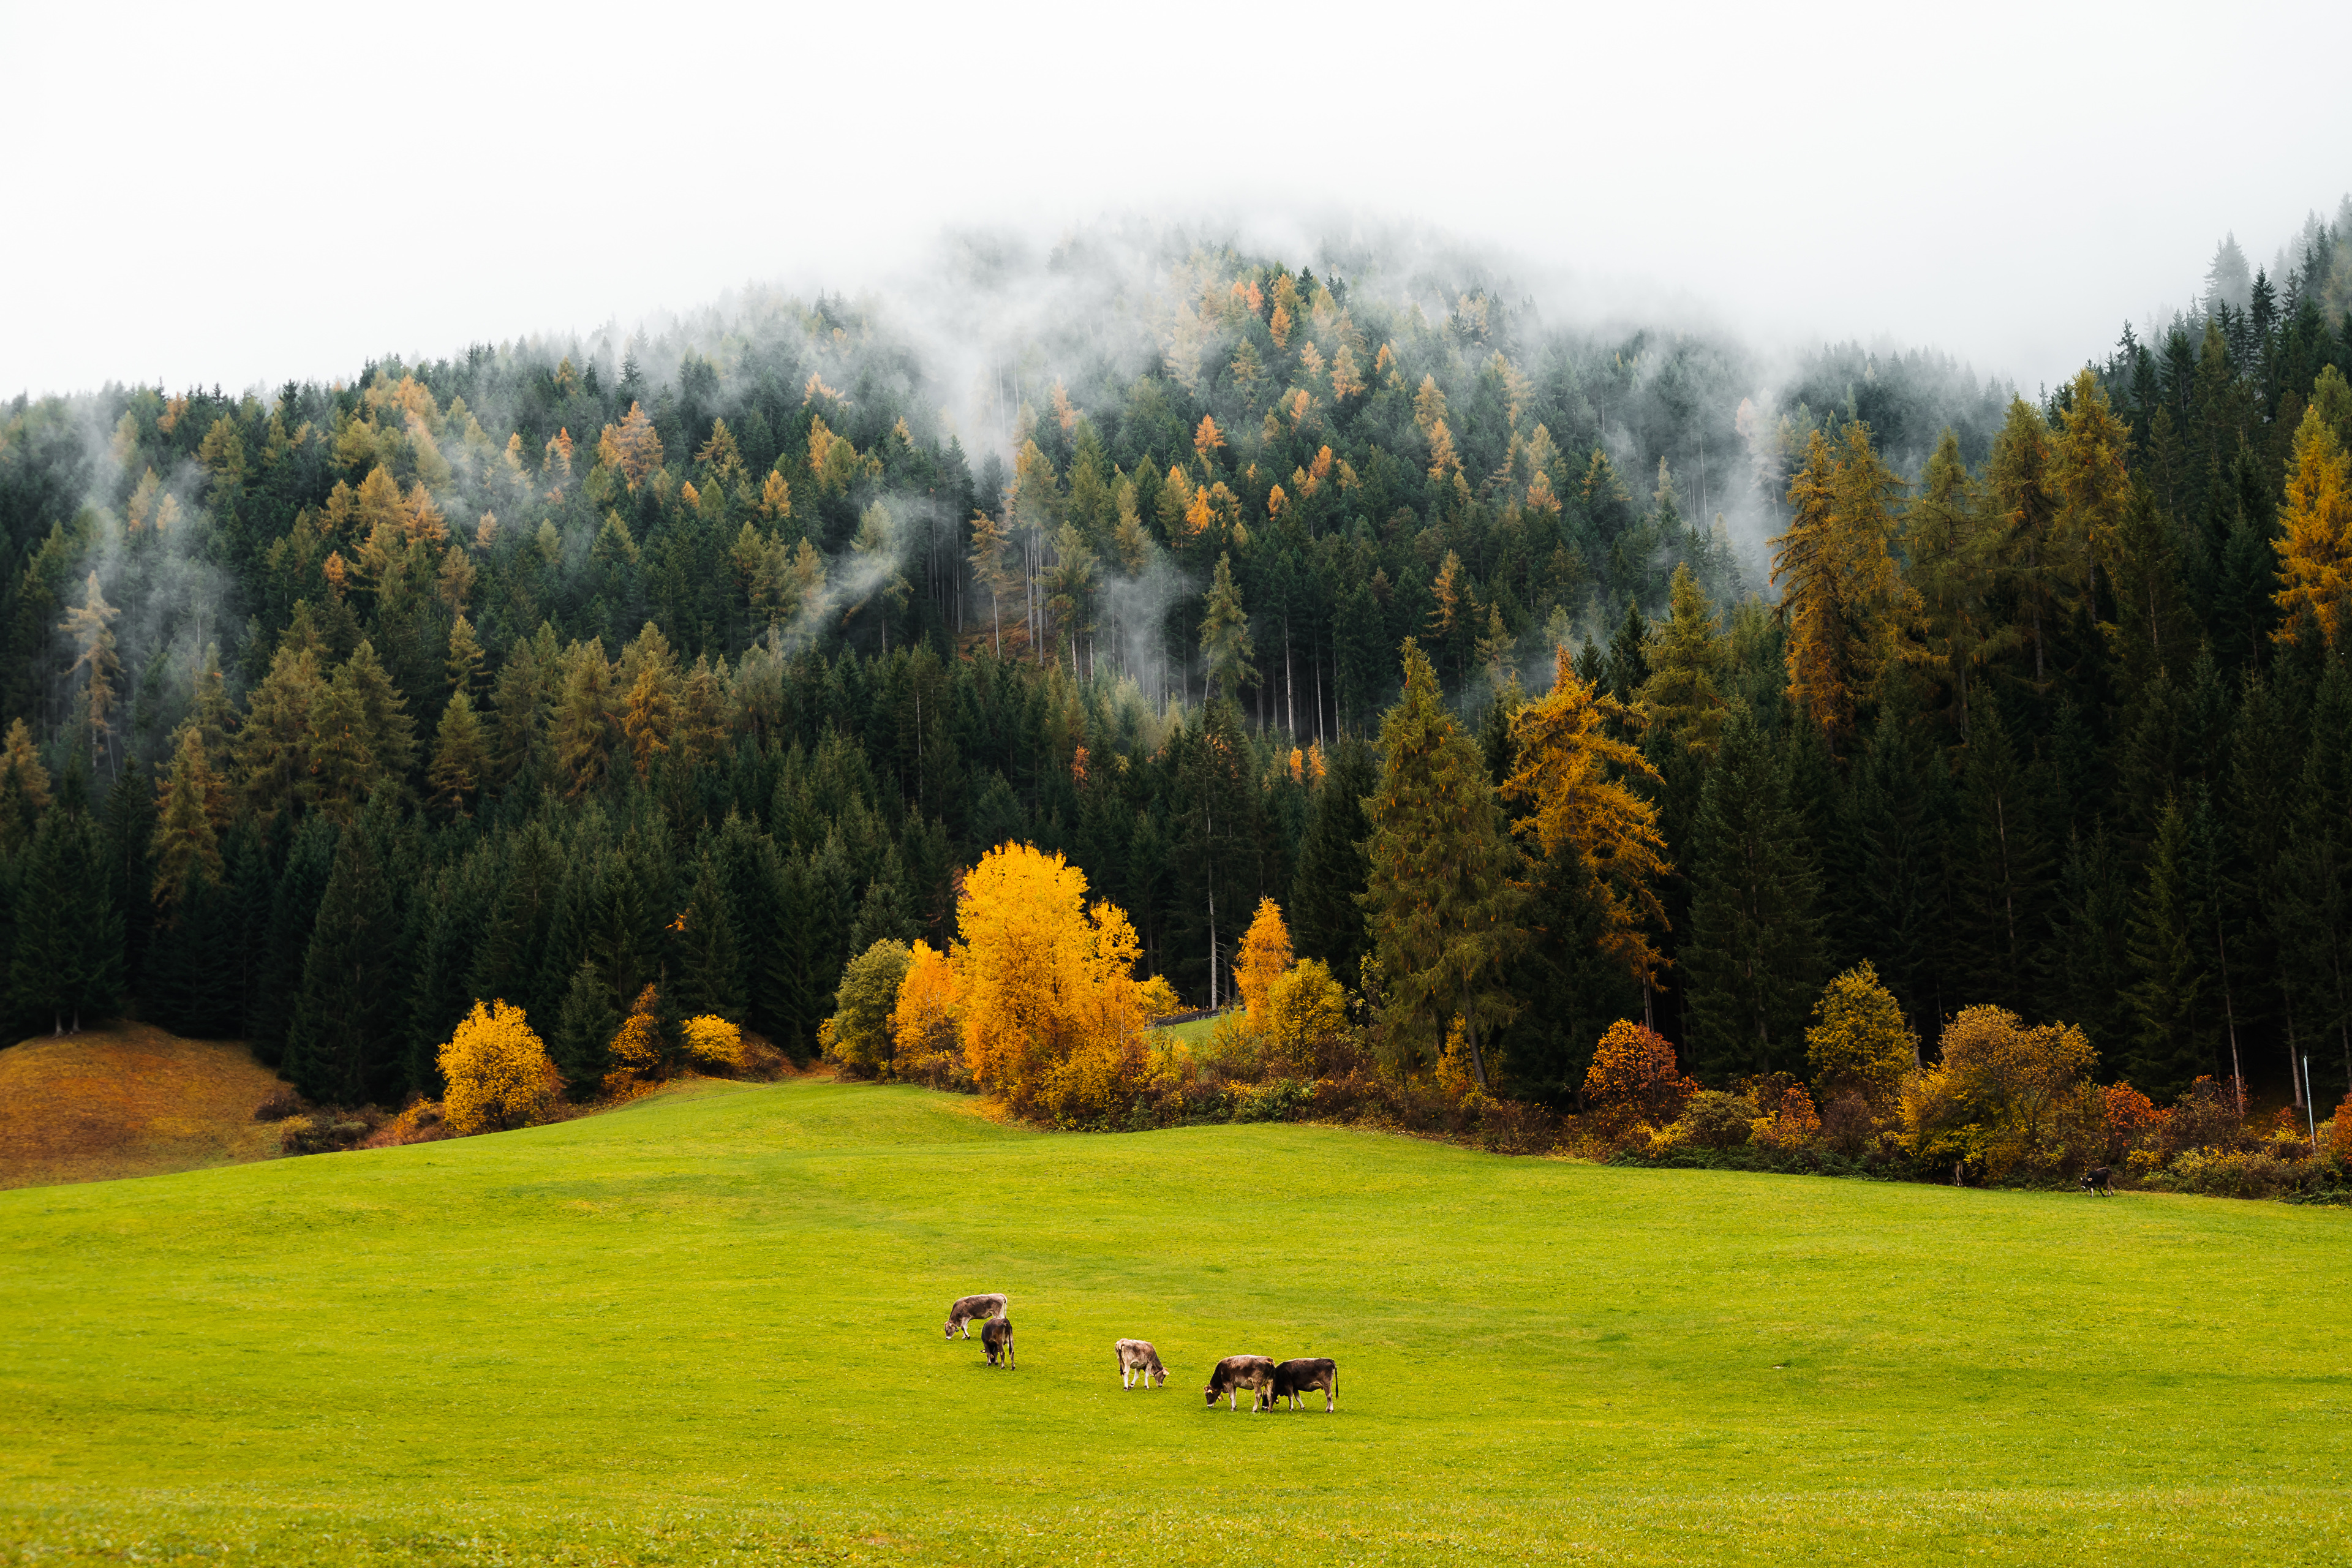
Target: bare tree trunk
[2230, 1012]
[1289, 685]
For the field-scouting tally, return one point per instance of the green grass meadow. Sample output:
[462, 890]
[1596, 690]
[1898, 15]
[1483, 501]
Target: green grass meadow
[707, 1328]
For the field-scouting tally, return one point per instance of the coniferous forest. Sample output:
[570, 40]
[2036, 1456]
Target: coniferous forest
[709, 655]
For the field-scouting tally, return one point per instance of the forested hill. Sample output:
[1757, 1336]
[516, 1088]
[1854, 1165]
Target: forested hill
[707, 657]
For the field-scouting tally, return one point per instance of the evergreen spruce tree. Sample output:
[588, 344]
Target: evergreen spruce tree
[293, 910]
[2314, 876]
[1326, 920]
[343, 1047]
[1752, 963]
[884, 910]
[710, 969]
[2004, 871]
[2169, 1000]
[582, 1043]
[1442, 899]
[66, 969]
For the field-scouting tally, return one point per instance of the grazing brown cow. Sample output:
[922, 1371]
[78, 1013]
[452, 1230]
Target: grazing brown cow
[961, 1314]
[1235, 1373]
[996, 1339]
[1304, 1375]
[2100, 1180]
[1139, 1362]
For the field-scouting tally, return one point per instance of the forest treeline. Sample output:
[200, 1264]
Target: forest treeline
[555, 671]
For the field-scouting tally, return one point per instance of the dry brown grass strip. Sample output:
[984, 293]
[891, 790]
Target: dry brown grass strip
[128, 1101]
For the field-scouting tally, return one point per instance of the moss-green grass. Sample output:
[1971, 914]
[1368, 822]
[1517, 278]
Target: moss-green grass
[1194, 1032]
[706, 1328]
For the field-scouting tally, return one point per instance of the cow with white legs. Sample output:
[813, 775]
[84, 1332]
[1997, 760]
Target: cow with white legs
[1235, 1373]
[972, 1310]
[1139, 1363]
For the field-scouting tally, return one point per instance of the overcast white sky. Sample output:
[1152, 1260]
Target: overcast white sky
[245, 193]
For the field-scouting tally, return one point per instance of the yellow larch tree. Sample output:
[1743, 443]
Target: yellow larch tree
[1574, 771]
[1845, 603]
[1044, 984]
[1265, 954]
[2315, 543]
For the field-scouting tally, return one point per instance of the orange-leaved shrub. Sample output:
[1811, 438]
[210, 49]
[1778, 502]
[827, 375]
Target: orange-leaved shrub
[636, 1049]
[498, 1071]
[1634, 1079]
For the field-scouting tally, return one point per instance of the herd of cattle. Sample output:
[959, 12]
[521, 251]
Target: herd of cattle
[1269, 1382]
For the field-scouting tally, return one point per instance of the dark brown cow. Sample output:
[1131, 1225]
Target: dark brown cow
[961, 1314]
[1304, 1375]
[1139, 1362]
[2100, 1180]
[1235, 1373]
[996, 1339]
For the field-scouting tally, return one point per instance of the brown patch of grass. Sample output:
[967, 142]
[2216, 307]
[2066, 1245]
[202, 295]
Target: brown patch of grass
[129, 1100]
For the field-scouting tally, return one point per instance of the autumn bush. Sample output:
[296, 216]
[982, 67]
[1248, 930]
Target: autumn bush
[1859, 1042]
[712, 1043]
[498, 1071]
[2009, 1098]
[2205, 1116]
[1634, 1079]
[1712, 1119]
[420, 1121]
[636, 1054]
[1041, 987]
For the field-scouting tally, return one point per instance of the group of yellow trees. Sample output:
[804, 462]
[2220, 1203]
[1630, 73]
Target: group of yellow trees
[499, 1075]
[1037, 1002]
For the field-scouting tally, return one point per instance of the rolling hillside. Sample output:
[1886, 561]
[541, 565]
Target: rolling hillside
[706, 1328]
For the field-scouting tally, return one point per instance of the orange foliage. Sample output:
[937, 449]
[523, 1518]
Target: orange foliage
[637, 1051]
[1633, 1076]
[634, 445]
[2133, 1120]
[2315, 543]
[1207, 438]
[1265, 954]
[1045, 985]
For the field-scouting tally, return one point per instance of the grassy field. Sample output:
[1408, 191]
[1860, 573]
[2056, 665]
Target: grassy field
[128, 1101]
[705, 1328]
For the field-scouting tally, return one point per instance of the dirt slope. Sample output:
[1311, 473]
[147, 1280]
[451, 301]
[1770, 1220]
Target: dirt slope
[129, 1101]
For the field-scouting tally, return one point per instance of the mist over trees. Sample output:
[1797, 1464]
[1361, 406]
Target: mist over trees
[707, 657]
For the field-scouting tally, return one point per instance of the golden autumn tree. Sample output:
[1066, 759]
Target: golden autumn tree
[632, 445]
[2091, 474]
[1050, 1010]
[2315, 543]
[498, 1071]
[1264, 954]
[92, 625]
[2001, 1093]
[1207, 438]
[1634, 1077]
[1858, 1041]
[1844, 601]
[927, 1019]
[1575, 773]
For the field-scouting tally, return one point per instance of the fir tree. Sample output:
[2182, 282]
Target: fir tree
[1752, 963]
[1440, 897]
[1327, 921]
